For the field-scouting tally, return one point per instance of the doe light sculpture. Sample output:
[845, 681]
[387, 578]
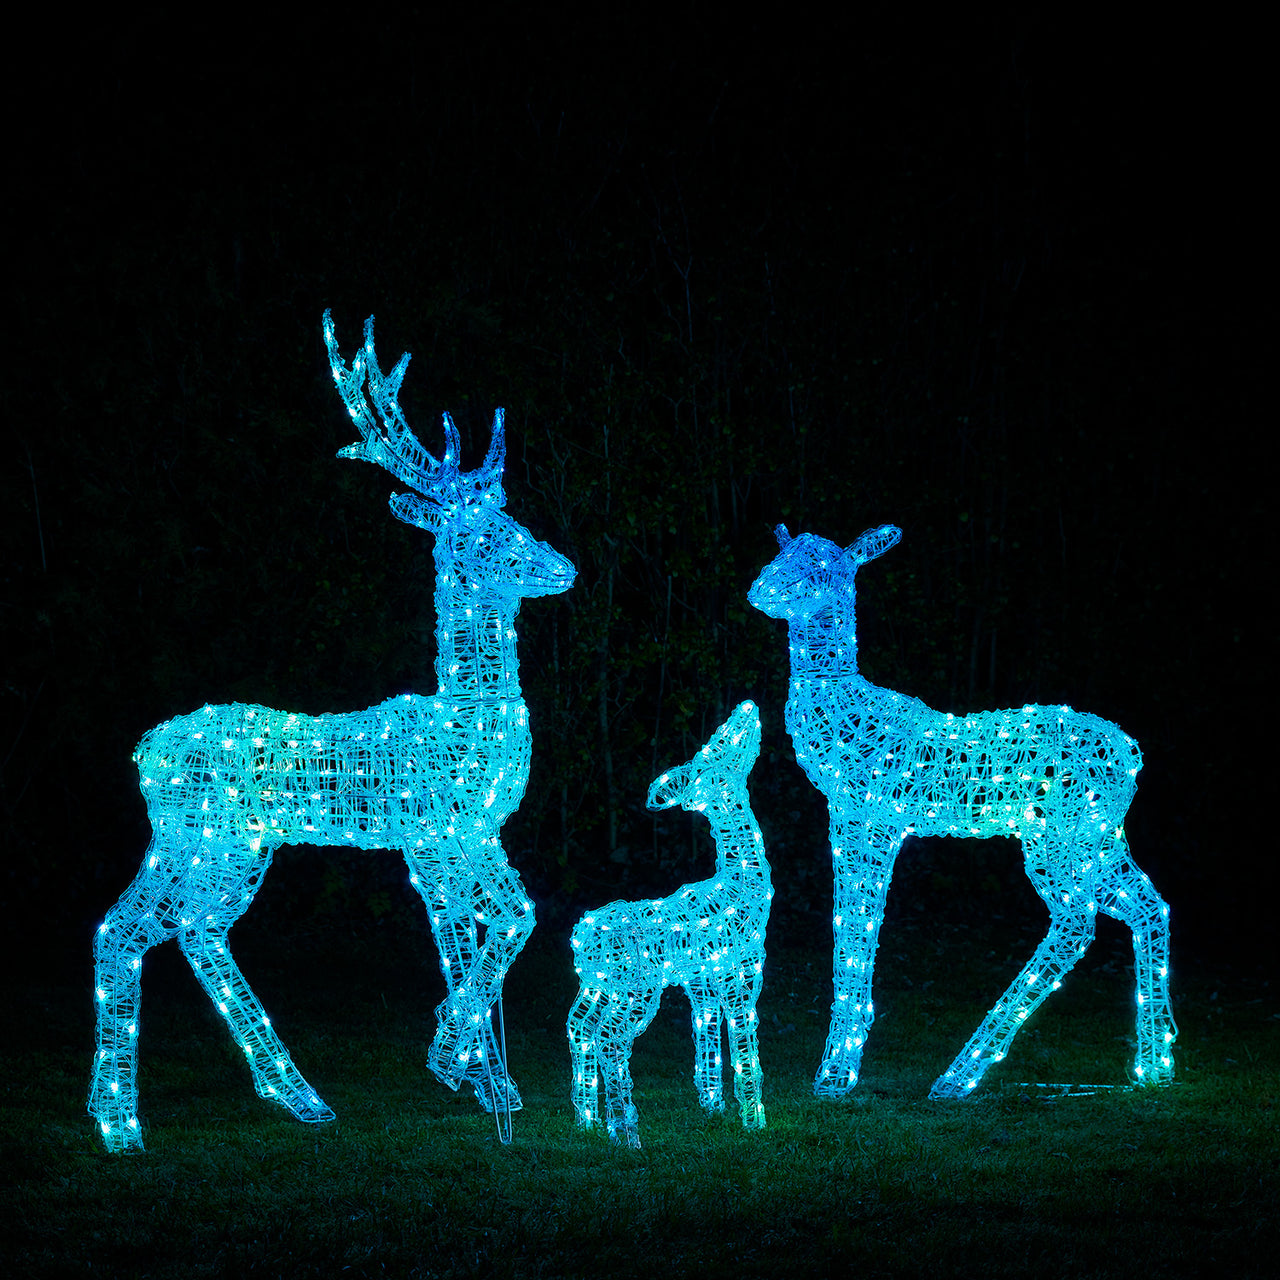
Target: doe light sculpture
[707, 937]
[433, 776]
[1060, 780]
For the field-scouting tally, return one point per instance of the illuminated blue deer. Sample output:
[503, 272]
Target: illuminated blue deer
[1060, 780]
[707, 937]
[434, 776]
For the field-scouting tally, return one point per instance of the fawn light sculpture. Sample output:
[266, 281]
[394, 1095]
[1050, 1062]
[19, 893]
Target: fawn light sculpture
[433, 776]
[1060, 780]
[706, 937]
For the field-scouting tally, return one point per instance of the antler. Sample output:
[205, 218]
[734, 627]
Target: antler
[385, 436]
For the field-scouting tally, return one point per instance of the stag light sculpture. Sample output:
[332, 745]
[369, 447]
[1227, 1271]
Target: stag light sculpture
[1060, 780]
[706, 937]
[433, 776]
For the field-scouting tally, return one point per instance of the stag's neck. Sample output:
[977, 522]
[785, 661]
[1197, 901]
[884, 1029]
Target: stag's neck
[823, 648]
[476, 648]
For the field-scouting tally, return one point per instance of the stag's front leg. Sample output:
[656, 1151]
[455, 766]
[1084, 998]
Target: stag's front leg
[708, 1062]
[454, 928]
[481, 923]
[505, 916]
[275, 1078]
[1067, 940]
[862, 858]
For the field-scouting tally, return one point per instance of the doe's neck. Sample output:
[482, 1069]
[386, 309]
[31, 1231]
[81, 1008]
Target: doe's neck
[823, 646]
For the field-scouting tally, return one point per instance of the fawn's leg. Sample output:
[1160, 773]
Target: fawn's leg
[583, 1031]
[275, 1078]
[863, 854]
[128, 931]
[1125, 893]
[744, 1050]
[624, 1016]
[708, 1061]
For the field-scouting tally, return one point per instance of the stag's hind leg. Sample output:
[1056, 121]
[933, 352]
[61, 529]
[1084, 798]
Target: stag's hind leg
[275, 1078]
[129, 930]
[1125, 893]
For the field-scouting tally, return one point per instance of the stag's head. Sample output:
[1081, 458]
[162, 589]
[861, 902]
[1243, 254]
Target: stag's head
[484, 546]
[722, 765]
[810, 575]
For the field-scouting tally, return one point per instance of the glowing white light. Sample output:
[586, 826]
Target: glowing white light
[625, 953]
[259, 778]
[1069, 775]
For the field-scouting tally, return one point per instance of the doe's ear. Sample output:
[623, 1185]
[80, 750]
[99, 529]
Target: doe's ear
[875, 542]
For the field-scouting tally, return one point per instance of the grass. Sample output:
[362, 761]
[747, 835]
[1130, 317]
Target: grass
[411, 1181]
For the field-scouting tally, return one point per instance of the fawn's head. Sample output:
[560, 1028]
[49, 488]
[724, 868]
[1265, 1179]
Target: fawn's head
[810, 575]
[477, 542]
[718, 768]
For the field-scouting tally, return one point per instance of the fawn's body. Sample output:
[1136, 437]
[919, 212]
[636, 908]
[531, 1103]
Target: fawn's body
[707, 937]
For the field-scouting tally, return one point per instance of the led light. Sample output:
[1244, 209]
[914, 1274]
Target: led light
[1069, 775]
[258, 778]
[627, 952]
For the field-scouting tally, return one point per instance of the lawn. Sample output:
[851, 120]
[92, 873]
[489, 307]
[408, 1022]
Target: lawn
[411, 1180]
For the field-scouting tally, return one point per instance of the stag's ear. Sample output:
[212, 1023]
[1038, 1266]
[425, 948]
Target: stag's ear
[783, 537]
[417, 511]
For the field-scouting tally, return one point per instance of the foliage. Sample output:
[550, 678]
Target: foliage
[955, 309]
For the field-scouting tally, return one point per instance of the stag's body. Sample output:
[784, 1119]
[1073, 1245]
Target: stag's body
[1060, 780]
[433, 776]
[707, 937]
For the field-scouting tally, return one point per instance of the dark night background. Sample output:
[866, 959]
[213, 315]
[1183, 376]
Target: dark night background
[1004, 284]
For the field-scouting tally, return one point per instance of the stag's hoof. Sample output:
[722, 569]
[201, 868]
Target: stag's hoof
[835, 1078]
[499, 1094]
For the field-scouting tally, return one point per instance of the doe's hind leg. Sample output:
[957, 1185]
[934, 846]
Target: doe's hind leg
[1126, 893]
[1067, 940]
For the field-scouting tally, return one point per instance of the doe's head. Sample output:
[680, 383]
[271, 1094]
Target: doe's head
[812, 574]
